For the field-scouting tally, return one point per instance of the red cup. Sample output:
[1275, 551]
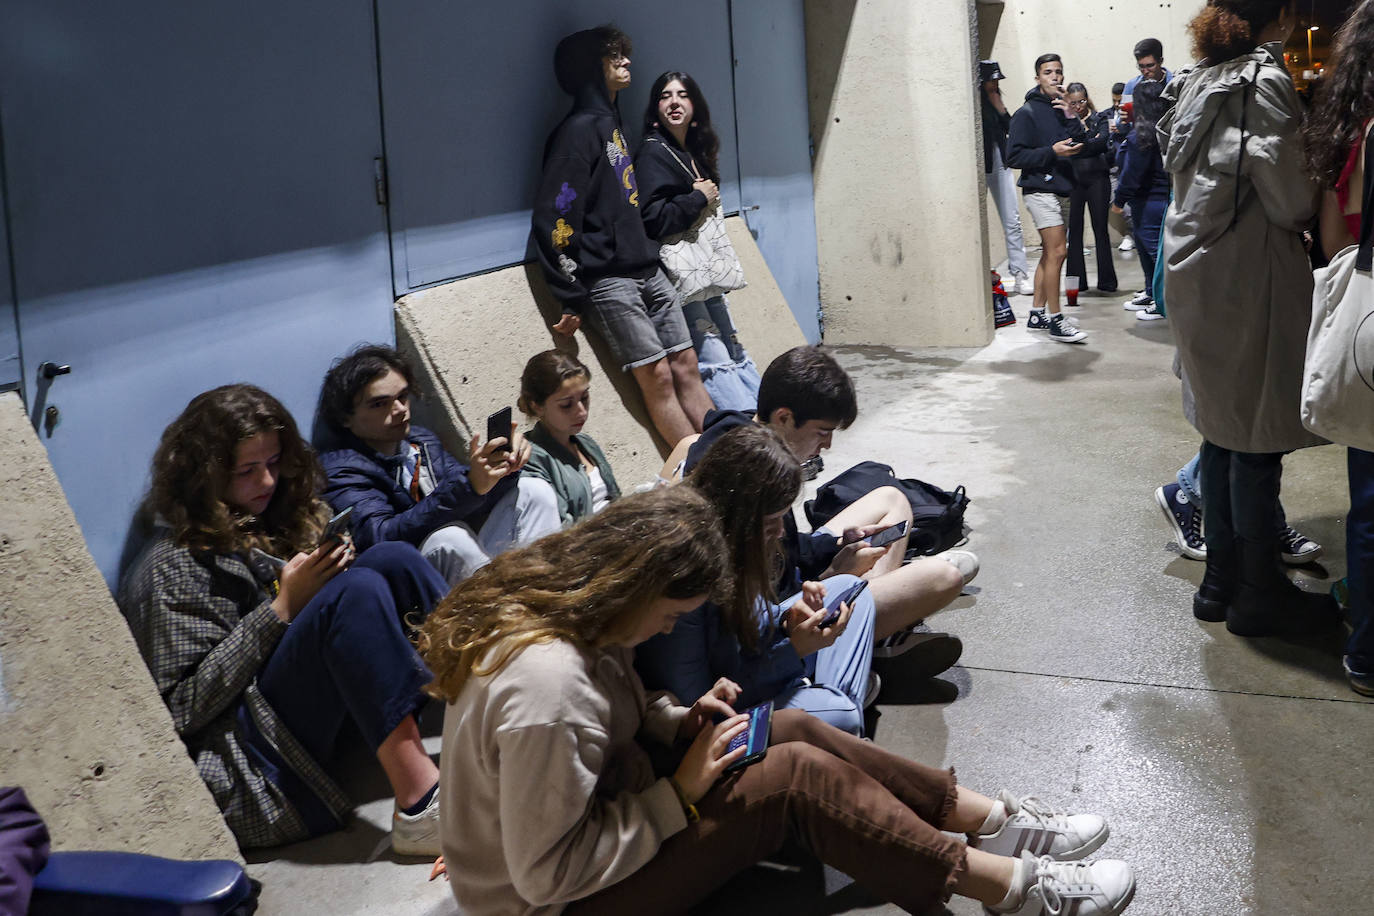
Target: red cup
[1071, 290]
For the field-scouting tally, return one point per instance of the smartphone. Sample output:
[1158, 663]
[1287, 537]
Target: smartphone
[498, 427]
[755, 737]
[887, 535]
[847, 596]
[337, 527]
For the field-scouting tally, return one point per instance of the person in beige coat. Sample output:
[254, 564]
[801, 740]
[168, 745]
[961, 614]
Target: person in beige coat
[1240, 299]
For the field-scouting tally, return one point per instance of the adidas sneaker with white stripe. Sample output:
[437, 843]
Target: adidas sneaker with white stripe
[1101, 888]
[1036, 828]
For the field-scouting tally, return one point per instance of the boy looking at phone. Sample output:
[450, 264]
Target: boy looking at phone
[403, 486]
[1044, 136]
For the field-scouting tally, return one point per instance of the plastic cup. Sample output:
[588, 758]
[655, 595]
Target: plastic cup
[1071, 290]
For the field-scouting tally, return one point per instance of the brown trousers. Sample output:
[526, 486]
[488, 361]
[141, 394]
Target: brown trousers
[868, 812]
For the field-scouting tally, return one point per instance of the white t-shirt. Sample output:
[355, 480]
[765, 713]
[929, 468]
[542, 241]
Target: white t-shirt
[600, 497]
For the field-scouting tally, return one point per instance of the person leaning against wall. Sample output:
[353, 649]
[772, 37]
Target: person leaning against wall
[1001, 182]
[1044, 136]
[589, 235]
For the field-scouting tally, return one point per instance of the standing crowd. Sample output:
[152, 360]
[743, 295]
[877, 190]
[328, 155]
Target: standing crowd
[604, 654]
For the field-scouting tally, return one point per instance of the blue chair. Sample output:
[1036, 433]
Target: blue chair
[130, 884]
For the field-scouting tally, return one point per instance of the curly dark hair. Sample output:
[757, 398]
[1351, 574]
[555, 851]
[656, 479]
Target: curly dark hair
[347, 378]
[747, 474]
[191, 476]
[1229, 28]
[588, 585]
[1345, 99]
[702, 142]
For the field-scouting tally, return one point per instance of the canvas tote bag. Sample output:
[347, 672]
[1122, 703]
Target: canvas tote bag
[1338, 383]
[701, 262]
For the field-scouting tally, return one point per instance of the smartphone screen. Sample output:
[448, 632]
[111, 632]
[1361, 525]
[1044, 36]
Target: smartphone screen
[337, 527]
[498, 427]
[755, 737]
[847, 596]
[887, 535]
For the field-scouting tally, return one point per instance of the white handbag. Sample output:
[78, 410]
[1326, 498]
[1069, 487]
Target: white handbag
[701, 262]
[1338, 383]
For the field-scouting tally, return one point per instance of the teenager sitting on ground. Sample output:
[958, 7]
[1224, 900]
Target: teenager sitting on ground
[403, 485]
[555, 389]
[804, 397]
[551, 803]
[262, 663]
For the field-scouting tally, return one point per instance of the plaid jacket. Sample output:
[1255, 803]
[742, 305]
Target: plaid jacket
[205, 627]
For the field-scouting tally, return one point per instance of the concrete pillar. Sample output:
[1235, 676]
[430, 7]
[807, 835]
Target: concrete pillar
[82, 728]
[898, 172]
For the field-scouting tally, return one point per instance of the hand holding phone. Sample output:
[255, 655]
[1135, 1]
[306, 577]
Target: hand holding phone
[755, 737]
[832, 607]
[498, 427]
[338, 527]
[887, 535]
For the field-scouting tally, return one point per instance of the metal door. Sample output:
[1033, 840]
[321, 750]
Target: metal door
[192, 202]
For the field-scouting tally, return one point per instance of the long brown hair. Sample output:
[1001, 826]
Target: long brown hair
[1229, 28]
[191, 471]
[589, 585]
[1345, 99]
[747, 474]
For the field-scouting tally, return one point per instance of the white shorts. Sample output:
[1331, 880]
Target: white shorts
[1047, 210]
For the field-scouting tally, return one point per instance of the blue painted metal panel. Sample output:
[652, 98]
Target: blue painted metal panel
[776, 190]
[192, 202]
[469, 100]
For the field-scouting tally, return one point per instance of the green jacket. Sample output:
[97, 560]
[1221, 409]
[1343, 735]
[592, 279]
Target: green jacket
[564, 472]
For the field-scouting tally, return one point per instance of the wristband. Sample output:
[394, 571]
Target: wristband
[688, 808]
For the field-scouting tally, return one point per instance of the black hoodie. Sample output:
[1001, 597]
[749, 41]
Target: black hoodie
[586, 220]
[1035, 128]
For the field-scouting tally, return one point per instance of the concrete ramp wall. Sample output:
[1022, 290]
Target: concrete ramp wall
[82, 728]
[470, 339]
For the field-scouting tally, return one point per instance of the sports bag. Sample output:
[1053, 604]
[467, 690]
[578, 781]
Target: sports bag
[1338, 375]
[937, 516]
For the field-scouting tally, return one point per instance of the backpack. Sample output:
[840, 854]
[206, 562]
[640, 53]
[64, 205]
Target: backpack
[937, 516]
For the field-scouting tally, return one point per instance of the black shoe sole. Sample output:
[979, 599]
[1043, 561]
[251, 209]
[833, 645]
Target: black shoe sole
[1209, 610]
[930, 658]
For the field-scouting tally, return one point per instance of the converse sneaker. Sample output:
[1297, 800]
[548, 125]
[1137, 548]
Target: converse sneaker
[1138, 303]
[1150, 313]
[1024, 286]
[1127, 244]
[1185, 518]
[1034, 827]
[925, 654]
[1065, 331]
[1296, 548]
[1036, 320]
[966, 561]
[1102, 888]
[417, 834]
[1361, 683]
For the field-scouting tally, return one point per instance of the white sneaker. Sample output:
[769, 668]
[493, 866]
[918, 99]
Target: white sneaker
[417, 834]
[966, 561]
[875, 687]
[1024, 285]
[1150, 313]
[1036, 828]
[1102, 888]
[1127, 244]
[1138, 303]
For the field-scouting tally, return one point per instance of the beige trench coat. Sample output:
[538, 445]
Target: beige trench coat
[1238, 282]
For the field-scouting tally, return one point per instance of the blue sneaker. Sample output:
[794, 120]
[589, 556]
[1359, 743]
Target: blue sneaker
[1185, 518]
[1360, 682]
[1036, 320]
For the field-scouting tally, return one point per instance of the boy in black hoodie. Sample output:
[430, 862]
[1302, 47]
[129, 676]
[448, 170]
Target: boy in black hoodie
[589, 234]
[1043, 137]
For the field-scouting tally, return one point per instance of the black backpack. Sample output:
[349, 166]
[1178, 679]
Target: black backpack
[937, 516]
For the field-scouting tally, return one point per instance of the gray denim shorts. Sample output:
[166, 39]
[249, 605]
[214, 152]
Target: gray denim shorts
[640, 320]
[1046, 210]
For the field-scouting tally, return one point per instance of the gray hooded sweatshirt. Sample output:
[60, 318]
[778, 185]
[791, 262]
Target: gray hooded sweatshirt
[1239, 282]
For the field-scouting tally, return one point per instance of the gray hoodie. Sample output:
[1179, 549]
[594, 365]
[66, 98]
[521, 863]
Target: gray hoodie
[1239, 282]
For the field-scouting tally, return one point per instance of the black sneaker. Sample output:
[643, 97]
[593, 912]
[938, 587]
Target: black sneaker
[1036, 320]
[1065, 331]
[1185, 518]
[925, 654]
[1295, 548]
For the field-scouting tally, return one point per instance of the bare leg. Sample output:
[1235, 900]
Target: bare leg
[676, 457]
[986, 877]
[660, 397]
[884, 506]
[1054, 248]
[407, 766]
[912, 593]
[691, 393]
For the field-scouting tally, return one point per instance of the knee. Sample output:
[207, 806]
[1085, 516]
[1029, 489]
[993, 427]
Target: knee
[895, 503]
[656, 379]
[452, 542]
[535, 493]
[358, 587]
[389, 555]
[683, 364]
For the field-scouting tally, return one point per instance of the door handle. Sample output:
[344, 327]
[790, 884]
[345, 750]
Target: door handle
[50, 370]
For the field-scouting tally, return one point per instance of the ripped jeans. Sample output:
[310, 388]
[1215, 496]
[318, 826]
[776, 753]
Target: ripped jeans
[727, 372]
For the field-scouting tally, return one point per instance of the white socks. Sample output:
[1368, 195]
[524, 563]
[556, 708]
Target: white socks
[995, 819]
[1020, 878]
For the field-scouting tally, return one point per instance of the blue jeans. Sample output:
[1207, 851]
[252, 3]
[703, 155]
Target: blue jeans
[346, 657]
[838, 674]
[1147, 219]
[728, 374]
[1359, 558]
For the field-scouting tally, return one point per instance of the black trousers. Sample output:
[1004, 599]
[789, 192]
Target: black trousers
[1240, 495]
[1096, 194]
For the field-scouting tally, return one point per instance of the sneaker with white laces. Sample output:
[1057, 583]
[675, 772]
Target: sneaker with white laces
[1024, 286]
[417, 834]
[1296, 548]
[1062, 330]
[1036, 320]
[1127, 244]
[1185, 517]
[1150, 313]
[1138, 303]
[1034, 827]
[1102, 888]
